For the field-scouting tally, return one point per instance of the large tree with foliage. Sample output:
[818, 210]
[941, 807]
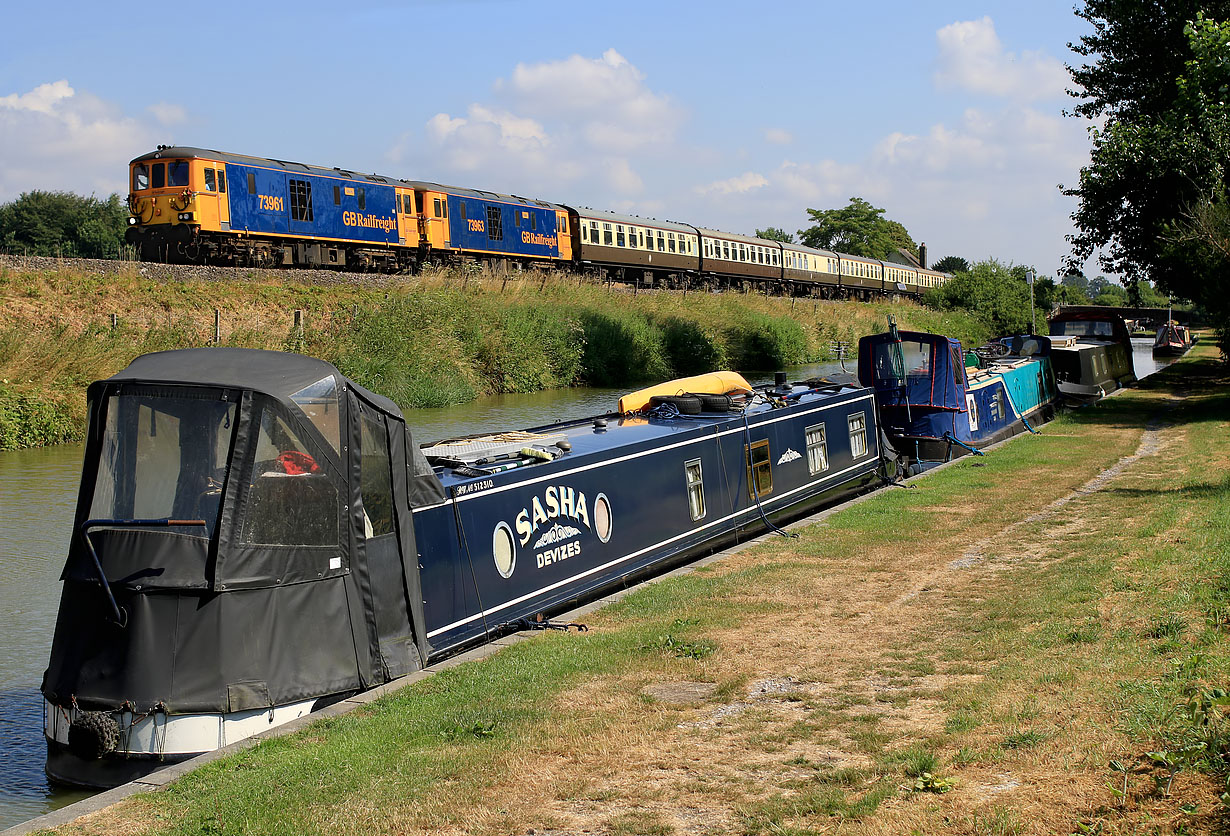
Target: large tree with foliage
[951, 264]
[857, 229]
[995, 293]
[63, 224]
[1157, 77]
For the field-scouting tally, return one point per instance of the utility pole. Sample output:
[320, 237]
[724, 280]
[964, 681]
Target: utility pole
[1033, 324]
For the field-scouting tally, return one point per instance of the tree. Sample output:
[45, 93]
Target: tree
[857, 229]
[951, 264]
[775, 233]
[991, 292]
[1112, 296]
[63, 224]
[1152, 198]
[1078, 288]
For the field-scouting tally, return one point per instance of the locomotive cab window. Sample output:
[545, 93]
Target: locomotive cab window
[211, 185]
[140, 177]
[563, 224]
[222, 181]
[177, 173]
[759, 469]
[436, 207]
[159, 175]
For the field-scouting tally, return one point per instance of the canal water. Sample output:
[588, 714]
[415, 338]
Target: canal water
[36, 513]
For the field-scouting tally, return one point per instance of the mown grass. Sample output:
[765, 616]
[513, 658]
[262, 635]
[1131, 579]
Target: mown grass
[441, 338]
[1077, 641]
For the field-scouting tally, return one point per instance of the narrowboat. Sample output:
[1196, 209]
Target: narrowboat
[1091, 351]
[257, 536]
[1172, 340]
[937, 402]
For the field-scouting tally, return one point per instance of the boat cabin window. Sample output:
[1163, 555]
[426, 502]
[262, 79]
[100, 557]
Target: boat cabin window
[817, 449]
[908, 359]
[163, 458]
[291, 500]
[319, 403]
[759, 470]
[696, 488]
[858, 434]
[375, 477]
[140, 177]
[1083, 328]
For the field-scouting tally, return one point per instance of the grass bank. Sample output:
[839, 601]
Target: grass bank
[433, 340]
[1026, 643]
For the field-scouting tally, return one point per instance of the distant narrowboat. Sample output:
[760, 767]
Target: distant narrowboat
[1172, 340]
[934, 406]
[258, 536]
[1091, 353]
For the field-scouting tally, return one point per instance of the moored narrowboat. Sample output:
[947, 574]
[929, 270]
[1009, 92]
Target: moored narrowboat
[258, 536]
[1172, 340]
[934, 405]
[1091, 351]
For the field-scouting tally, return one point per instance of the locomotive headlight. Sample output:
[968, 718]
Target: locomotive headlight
[132, 221]
[185, 216]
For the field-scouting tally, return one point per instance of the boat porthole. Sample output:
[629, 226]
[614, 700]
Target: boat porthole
[504, 549]
[602, 517]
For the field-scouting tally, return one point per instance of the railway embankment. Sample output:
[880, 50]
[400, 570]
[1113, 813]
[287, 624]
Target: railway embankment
[1030, 642]
[439, 338]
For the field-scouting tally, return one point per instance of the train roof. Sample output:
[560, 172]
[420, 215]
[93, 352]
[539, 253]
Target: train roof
[183, 151]
[634, 220]
[803, 248]
[481, 194]
[736, 236]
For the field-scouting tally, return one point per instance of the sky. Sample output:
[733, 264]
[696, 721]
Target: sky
[739, 116]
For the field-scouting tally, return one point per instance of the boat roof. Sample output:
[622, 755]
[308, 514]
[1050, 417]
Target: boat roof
[588, 438]
[277, 373]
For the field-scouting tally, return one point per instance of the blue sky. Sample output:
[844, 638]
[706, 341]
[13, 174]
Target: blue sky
[722, 114]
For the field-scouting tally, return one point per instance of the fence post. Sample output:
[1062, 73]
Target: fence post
[217, 326]
[299, 323]
[115, 321]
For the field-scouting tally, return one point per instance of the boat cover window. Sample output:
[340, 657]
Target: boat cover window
[1083, 328]
[291, 499]
[177, 174]
[759, 470]
[319, 403]
[958, 365]
[140, 177]
[163, 458]
[376, 479]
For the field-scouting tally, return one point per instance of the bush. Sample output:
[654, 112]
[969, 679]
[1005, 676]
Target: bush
[623, 347]
[990, 291]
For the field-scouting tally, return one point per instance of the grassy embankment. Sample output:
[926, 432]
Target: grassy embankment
[993, 650]
[434, 340]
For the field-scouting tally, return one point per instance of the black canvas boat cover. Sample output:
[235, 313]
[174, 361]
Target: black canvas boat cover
[295, 573]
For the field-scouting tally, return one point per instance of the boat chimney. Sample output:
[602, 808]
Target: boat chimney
[779, 382]
[922, 255]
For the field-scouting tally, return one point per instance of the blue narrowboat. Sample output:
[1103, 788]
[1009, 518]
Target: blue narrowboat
[258, 536]
[934, 405]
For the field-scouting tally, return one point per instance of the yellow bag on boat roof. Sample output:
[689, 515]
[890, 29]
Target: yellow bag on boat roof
[714, 383]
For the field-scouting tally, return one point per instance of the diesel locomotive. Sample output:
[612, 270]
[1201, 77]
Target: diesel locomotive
[198, 206]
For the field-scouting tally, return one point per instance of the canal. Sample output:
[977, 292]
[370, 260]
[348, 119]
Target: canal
[36, 514]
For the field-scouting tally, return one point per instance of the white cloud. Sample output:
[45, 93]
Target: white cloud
[168, 114]
[736, 185]
[972, 57]
[56, 137]
[776, 136]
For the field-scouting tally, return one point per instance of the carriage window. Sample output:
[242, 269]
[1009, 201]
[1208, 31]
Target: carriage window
[607, 235]
[858, 434]
[593, 232]
[160, 175]
[817, 449]
[661, 241]
[495, 223]
[211, 185]
[670, 241]
[759, 469]
[619, 235]
[375, 478]
[177, 174]
[696, 488]
[140, 178]
[301, 200]
[726, 250]
[641, 235]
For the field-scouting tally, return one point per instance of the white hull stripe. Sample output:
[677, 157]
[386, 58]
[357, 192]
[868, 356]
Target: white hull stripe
[606, 462]
[746, 511]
